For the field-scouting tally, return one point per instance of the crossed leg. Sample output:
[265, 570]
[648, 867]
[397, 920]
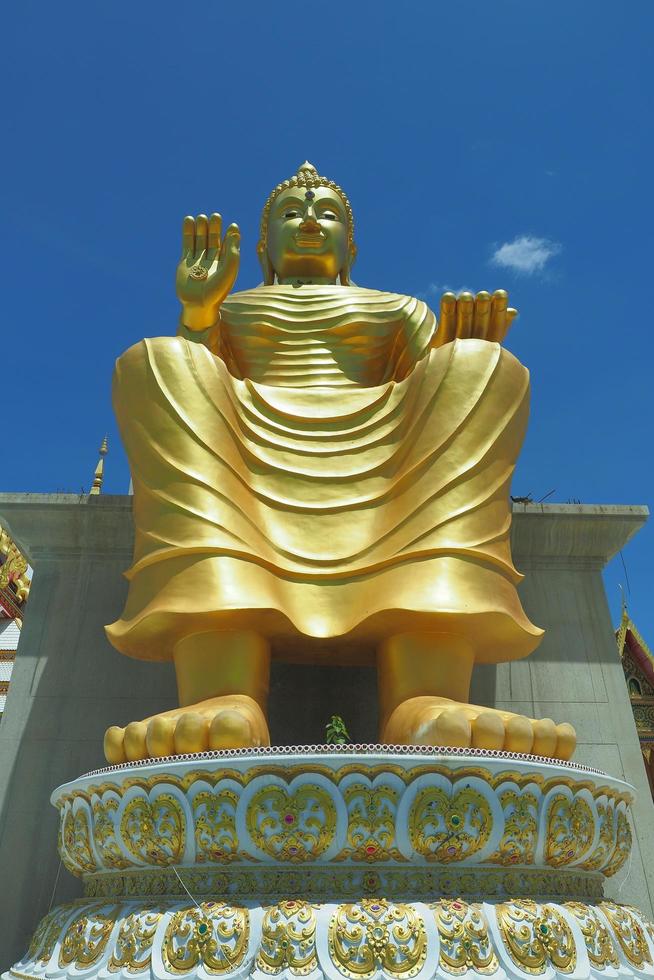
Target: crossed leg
[222, 683]
[424, 685]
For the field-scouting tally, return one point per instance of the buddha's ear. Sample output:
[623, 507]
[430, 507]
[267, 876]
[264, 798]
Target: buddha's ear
[266, 265]
[344, 275]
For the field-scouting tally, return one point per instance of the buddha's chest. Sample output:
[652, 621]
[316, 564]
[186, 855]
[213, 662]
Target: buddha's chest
[301, 352]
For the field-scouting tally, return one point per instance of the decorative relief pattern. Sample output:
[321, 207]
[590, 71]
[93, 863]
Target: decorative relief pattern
[535, 936]
[212, 935]
[204, 818]
[133, 949]
[629, 932]
[570, 829]
[449, 828]
[599, 945]
[376, 935]
[371, 938]
[292, 826]
[288, 939]
[215, 826]
[154, 831]
[464, 940]
[87, 936]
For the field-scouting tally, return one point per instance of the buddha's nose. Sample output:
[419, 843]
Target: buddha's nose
[310, 223]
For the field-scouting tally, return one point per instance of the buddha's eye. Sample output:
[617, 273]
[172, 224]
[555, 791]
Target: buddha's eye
[329, 216]
[291, 213]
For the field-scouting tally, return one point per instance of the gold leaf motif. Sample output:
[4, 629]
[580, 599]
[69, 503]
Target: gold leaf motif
[570, 829]
[133, 949]
[294, 827]
[87, 937]
[449, 828]
[536, 935]
[288, 939]
[46, 936]
[377, 935]
[601, 950]
[104, 833]
[215, 826]
[600, 855]
[623, 841]
[213, 935]
[372, 812]
[518, 843]
[154, 830]
[629, 933]
[76, 853]
[464, 940]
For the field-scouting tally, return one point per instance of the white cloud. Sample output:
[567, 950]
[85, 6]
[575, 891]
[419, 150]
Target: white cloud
[526, 254]
[436, 289]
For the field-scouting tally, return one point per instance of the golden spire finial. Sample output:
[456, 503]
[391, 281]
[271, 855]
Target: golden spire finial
[306, 166]
[98, 476]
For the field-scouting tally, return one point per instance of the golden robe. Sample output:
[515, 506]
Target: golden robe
[323, 476]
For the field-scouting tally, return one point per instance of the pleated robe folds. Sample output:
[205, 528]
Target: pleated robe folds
[324, 476]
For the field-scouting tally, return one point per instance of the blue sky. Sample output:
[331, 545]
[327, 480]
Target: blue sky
[461, 131]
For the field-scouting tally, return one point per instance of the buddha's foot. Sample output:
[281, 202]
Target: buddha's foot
[439, 721]
[228, 722]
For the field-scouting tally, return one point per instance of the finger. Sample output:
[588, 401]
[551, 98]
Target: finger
[465, 308]
[230, 255]
[201, 233]
[499, 303]
[188, 235]
[481, 317]
[215, 229]
[447, 320]
[511, 314]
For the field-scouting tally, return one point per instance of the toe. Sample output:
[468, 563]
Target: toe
[114, 750]
[519, 734]
[449, 728]
[230, 730]
[160, 738]
[566, 741]
[545, 738]
[134, 741]
[191, 733]
[488, 731]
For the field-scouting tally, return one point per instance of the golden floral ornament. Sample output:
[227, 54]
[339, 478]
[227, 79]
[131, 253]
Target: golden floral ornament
[154, 828]
[599, 945]
[87, 936]
[377, 936]
[448, 824]
[295, 823]
[213, 935]
[214, 817]
[465, 944]
[288, 940]
[572, 828]
[536, 937]
[133, 949]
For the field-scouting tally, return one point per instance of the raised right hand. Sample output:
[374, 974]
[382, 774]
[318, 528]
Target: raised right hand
[207, 270]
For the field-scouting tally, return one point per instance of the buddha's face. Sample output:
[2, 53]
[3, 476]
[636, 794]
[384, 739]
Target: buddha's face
[308, 234]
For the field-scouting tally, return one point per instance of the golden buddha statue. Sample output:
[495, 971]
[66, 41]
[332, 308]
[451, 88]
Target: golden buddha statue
[321, 474]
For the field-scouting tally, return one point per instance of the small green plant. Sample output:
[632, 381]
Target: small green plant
[335, 731]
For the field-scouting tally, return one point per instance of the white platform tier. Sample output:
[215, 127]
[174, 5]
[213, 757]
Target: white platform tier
[360, 862]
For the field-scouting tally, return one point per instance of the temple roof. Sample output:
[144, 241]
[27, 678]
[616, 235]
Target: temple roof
[15, 579]
[629, 639]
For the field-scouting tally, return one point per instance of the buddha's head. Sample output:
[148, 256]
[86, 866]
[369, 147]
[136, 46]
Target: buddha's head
[307, 231]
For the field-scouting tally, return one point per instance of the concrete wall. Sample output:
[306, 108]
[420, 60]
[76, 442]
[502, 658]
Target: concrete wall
[69, 684]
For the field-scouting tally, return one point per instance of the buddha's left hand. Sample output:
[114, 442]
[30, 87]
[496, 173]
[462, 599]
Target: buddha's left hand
[482, 317]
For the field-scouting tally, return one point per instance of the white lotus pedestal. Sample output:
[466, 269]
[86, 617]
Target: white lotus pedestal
[350, 864]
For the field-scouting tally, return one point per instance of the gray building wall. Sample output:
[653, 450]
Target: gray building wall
[69, 684]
